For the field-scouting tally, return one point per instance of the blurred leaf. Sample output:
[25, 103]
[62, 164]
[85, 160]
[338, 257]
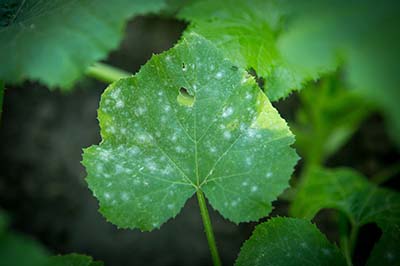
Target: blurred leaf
[361, 201]
[55, 41]
[73, 260]
[19, 250]
[246, 32]
[1, 97]
[387, 251]
[288, 242]
[157, 150]
[328, 116]
[3, 222]
[361, 35]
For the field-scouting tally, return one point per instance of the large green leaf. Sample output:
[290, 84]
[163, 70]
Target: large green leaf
[55, 41]
[362, 35]
[289, 242]
[73, 260]
[188, 120]
[360, 200]
[246, 32]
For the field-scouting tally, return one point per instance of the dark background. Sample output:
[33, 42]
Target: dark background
[42, 182]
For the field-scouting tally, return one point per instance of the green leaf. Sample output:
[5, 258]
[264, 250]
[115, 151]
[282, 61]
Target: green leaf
[3, 222]
[73, 260]
[55, 41]
[361, 35]
[387, 251]
[246, 32]
[288, 242]
[157, 151]
[329, 114]
[1, 97]
[19, 250]
[362, 202]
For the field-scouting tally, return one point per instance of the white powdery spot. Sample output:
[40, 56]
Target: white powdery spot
[143, 137]
[227, 135]
[326, 251]
[248, 96]
[119, 169]
[213, 149]
[140, 110]
[168, 58]
[115, 93]
[99, 168]
[234, 203]
[227, 112]
[245, 184]
[251, 132]
[268, 175]
[152, 166]
[166, 171]
[254, 188]
[124, 196]
[111, 129]
[107, 195]
[134, 150]
[174, 137]
[244, 80]
[120, 104]
[170, 206]
[167, 108]
[180, 149]
[123, 131]
[219, 75]
[303, 244]
[249, 161]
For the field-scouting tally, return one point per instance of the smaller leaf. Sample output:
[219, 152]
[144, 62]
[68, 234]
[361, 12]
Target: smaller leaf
[246, 32]
[19, 250]
[387, 251]
[363, 202]
[56, 41]
[288, 242]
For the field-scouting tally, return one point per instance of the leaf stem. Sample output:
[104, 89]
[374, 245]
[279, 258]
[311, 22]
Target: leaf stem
[208, 228]
[106, 73]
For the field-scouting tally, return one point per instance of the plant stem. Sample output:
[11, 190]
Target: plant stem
[208, 228]
[106, 73]
[344, 238]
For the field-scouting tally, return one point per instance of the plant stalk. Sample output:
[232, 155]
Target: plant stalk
[106, 73]
[208, 228]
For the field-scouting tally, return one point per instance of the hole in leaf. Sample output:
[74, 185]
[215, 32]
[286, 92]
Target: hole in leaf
[260, 80]
[184, 98]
